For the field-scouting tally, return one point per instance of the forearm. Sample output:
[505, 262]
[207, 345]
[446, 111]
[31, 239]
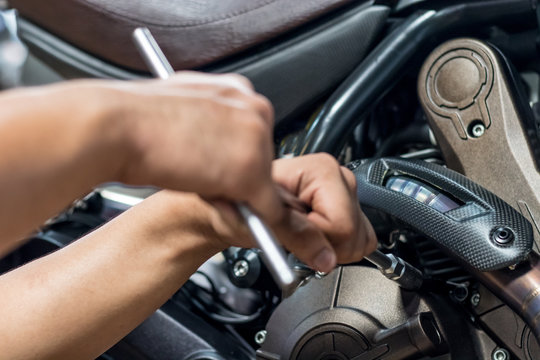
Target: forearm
[56, 144]
[82, 299]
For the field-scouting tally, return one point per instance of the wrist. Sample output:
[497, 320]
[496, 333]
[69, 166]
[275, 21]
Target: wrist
[184, 223]
[107, 127]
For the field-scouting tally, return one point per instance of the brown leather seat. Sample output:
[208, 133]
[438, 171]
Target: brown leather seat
[192, 33]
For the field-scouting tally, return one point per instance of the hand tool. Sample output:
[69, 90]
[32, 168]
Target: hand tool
[394, 268]
[272, 254]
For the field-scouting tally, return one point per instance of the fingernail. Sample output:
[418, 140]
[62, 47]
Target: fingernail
[325, 260]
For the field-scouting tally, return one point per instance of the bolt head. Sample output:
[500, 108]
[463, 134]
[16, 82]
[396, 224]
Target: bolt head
[475, 299]
[500, 354]
[260, 337]
[478, 130]
[240, 268]
[502, 235]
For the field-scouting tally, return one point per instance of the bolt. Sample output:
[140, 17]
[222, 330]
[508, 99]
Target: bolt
[500, 354]
[475, 299]
[460, 292]
[478, 130]
[260, 337]
[240, 268]
[502, 236]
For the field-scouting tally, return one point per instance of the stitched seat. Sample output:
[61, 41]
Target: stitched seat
[192, 33]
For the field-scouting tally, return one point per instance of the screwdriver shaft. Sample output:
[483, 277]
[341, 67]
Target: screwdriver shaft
[272, 254]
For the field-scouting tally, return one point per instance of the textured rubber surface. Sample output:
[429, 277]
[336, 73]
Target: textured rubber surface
[465, 232]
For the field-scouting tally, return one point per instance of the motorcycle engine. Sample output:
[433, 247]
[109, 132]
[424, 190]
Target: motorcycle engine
[345, 315]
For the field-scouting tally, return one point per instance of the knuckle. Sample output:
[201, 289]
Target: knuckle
[263, 106]
[350, 179]
[240, 79]
[327, 159]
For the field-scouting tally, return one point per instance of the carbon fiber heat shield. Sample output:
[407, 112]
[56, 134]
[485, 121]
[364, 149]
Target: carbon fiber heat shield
[469, 232]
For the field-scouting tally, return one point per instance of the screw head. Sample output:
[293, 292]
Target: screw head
[502, 235]
[260, 337]
[478, 130]
[500, 354]
[240, 268]
[475, 299]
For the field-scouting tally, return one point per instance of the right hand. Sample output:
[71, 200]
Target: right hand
[209, 134]
[334, 230]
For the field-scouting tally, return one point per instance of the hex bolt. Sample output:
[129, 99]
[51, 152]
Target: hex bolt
[478, 130]
[240, 268]
[500, 354]
[502, 236]
[260, 337]
[475, 299]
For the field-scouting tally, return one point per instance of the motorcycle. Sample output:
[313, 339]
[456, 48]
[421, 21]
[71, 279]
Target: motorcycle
[433, 105]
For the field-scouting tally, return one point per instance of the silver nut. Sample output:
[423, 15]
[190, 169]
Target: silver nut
[240, 268]
[475, 299]
[260, 337]
[478, 130]
[397, 269]
[500, 354]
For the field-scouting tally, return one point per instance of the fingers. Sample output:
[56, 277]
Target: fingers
[207, 133]
[330, 190]
[309, 244]
[228, 86]
[268, 204]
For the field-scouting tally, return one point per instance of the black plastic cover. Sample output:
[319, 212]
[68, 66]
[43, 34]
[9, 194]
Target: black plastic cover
[468, 232]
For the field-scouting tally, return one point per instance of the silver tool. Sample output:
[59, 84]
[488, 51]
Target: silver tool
[397, 269]
[272, 254]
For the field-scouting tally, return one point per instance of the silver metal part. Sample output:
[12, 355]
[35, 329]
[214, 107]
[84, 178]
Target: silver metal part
[396, 269]
[13, 53]
[478, 130]
[151, 53]
[240, 268]
[260, 337]
[272, 254]
[500, 354]
[475, 299]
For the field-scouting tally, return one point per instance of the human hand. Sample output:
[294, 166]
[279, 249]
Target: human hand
[335, 230]
[209, 134]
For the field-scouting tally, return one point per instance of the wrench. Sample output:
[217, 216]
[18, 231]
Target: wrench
[272, 254]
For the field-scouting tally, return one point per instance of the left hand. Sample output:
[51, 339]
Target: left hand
[334, 231]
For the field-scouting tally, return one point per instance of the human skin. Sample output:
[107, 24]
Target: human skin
[100, 287]
[208, 135]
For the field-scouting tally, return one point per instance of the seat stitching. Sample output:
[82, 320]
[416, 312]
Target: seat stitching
[181, 25]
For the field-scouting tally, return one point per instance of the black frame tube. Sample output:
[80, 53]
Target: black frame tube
[384, 65]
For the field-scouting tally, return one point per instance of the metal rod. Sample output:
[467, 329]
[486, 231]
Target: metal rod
[380, 259]
[385, 65]
[272, 254]
[151, 53]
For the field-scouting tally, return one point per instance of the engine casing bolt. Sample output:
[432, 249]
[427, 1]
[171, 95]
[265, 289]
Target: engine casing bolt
[240, 268]
[500, 354]
[260, 337]
[478, 130]
[475, 299]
